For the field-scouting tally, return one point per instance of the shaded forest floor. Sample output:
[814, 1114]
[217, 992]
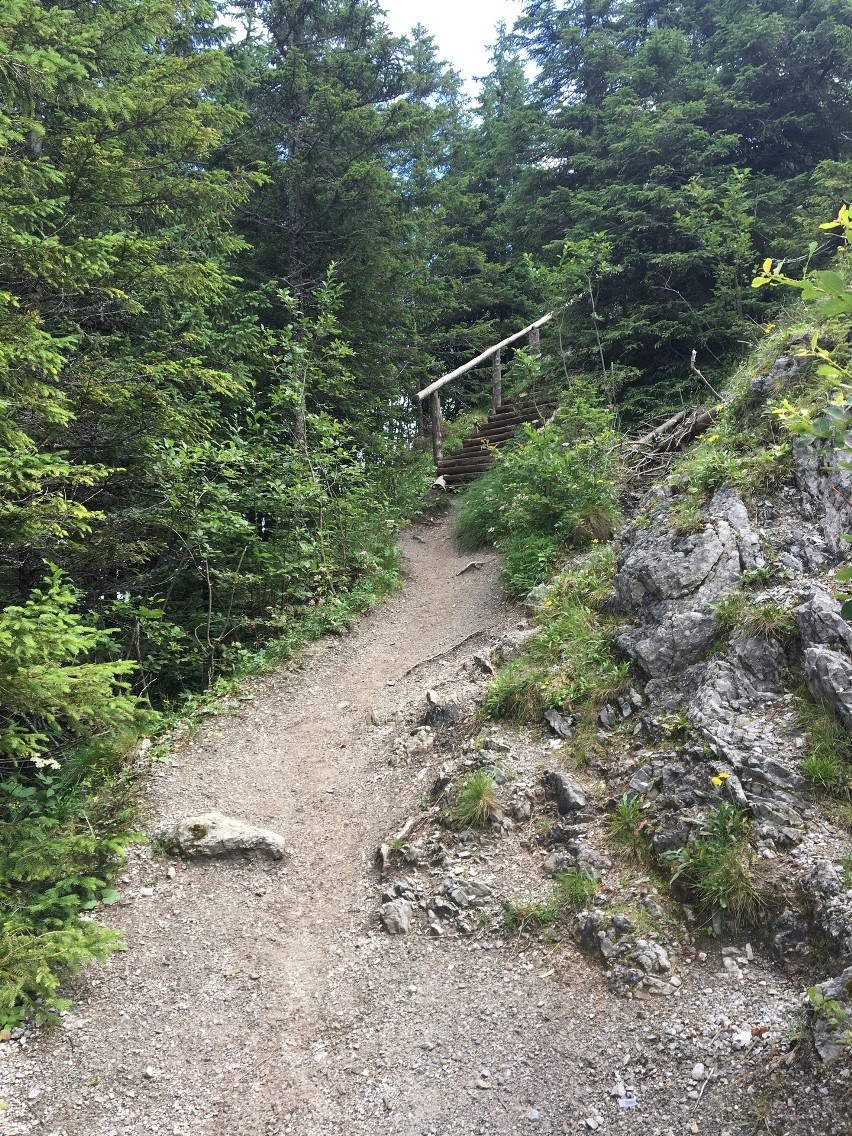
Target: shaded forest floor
[259, 999]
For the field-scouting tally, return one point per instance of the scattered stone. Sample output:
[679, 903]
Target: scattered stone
[214, 834]
[396, 916]
[559, 723]
[569, 795]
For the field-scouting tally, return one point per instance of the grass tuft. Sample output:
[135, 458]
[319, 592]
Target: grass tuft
[628, 825]
[474, 801]
[828, 762]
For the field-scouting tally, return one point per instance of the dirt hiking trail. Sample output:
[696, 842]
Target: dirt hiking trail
[258, 999]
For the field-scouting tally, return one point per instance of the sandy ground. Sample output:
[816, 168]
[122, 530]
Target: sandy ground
[258, 998]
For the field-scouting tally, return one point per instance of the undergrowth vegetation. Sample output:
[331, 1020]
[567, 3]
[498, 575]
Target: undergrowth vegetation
[550, 491]
[828, 760]
[571, 663]
[714, 869]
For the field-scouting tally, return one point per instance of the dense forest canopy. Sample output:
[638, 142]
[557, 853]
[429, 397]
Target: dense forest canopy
[233, 247]
[235, 241]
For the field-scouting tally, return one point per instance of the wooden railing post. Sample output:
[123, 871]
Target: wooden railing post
[535, 341]
[496, 382]
[435, 411]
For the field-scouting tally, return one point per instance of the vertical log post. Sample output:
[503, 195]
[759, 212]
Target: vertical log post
[421, 420]
[535, 341]
[435, 414]
[496, 382]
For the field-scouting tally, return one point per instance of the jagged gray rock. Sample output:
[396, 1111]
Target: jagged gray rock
[670, 584]
[214, 834]
[831, 908]
[826, 488]
[442, 709]
[829, 677]
[535, 598]
[396, 916]
[559, 723]
[821, 624]
[568, 793]
[512, 644]
[828, 1034]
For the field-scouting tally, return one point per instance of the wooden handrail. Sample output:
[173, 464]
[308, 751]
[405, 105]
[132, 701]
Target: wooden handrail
[480, 359]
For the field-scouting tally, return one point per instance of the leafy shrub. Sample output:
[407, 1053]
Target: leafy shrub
[552, 490]
[62, 840]
[50, 694]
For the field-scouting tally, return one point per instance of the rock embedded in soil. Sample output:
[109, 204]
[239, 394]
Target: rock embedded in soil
[214, 834]
[396, 916]
[568, 793]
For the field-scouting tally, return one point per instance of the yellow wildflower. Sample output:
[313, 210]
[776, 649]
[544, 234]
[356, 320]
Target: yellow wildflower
[720, 779]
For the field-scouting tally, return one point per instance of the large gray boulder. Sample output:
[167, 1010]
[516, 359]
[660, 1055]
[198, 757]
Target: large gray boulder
[825, 482]
[821, 624]
[829, 677]
[670, 584]
[214, 834]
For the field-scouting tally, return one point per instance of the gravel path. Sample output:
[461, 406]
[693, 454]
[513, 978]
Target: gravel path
[259, 999]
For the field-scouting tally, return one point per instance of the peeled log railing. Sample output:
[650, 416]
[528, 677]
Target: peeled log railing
[492, 353]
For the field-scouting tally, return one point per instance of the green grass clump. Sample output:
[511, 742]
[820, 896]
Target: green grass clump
[474, 801]
[685, 516]
[571, 662]
[738, 612]
[574, 889]
[714, 868]
[828, 761]
[519, 916]
[552, 490]
[628, 825]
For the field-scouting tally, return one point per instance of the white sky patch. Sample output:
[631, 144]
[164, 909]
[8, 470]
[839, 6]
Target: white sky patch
[463, 29]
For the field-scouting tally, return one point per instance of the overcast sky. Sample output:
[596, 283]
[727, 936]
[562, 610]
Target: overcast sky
[463, 29]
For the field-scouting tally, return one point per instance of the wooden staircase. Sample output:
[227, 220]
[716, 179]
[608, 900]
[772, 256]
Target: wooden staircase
[477, 453]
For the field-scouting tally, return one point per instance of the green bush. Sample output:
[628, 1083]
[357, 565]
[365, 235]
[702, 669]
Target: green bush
[552, 490]
[62, 839]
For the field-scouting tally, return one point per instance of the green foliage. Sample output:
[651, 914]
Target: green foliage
[571, 662]
[574, 889]
[737, 611]
[62, 839]
[474, 801]
[521, 916]
[552, 490]
[832, 1012]
[652, 131]
[714, 868]
[33, 965]
[628, 825]
[828, 761]
[50, 695]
